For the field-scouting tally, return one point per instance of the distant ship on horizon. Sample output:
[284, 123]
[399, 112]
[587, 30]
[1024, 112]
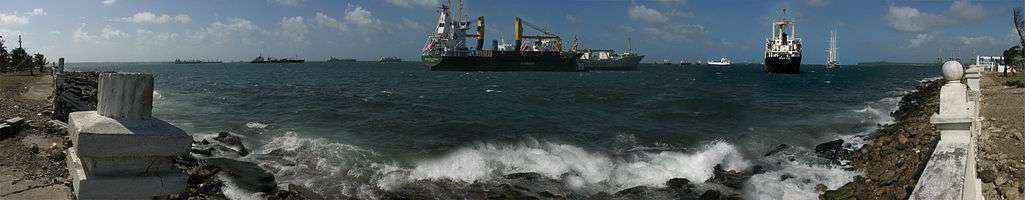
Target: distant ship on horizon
[180, 61]
[333, 59]
[389, 59]
[261, 59]
[724, 61]
[783, 51]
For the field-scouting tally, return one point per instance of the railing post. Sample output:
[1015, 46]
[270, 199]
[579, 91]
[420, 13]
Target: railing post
[950, 171]
[120, 151]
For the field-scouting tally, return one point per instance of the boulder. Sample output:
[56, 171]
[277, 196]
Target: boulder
[733, 179]
[230, 142]
[246, 175]
[710, 194]
[57, 127]
[679, 183]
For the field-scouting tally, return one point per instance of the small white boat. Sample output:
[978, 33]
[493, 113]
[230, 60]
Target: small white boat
[724, 61]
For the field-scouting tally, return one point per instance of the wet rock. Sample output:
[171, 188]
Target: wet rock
[246, 175]
[679, 183]
[733, 179]
[830, 149]
[779, 148]
[710, 194]
[784, 177]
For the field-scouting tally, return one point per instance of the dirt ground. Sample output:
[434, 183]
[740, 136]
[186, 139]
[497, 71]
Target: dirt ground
[31, 162]
[1002, 156]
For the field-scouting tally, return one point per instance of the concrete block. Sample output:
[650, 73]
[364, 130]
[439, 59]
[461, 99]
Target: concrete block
[944, 175]
[122, 187]
[951, 122]
[112, 166]
[17, 121]
[99, 136]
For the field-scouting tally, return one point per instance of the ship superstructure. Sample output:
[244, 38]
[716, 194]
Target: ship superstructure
[831, 57]
[724, 61]
[783, 50]
[446, 48]
[608, 59]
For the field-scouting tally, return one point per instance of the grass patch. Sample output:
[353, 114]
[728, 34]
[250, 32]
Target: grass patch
[13, 80]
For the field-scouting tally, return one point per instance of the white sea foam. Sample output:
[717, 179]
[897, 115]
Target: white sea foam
[157, 96]
[577, 167]
[332, 169]
[256, 125]
[769, 185]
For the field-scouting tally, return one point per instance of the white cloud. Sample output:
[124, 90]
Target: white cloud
[908, 19]
[818, 3]
[676, 32]
[183, 18]
[12, 19]
[288, 2]
[326, 21]
[673, 2]
[966, 10]
[643, 13]
[111, 33]
[220, 33]
[410, 25]
[153, 18]
[109, 2]
[147, 38]
[415, 3]
[294, 28]
[974, 41]
[36, 12]
[921, 39]
[361, 17]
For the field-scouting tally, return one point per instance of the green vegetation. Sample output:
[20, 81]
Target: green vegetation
[19, 60]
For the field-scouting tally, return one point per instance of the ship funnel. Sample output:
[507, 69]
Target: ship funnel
[518, 27]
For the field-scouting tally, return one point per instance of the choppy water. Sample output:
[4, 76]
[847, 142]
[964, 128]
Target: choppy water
[346, 129]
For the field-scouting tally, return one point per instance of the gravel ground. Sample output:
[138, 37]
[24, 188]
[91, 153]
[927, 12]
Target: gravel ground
[1002, 158]
[32, 161]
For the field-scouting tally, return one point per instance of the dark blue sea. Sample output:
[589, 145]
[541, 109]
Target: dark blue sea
[347, 129]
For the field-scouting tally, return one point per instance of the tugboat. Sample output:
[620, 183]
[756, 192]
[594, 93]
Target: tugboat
[783, 51]
[831, 58]
[446, 48]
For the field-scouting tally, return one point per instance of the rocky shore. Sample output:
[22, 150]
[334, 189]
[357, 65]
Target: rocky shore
[31, 149]
[1001, 163]
[894, 159]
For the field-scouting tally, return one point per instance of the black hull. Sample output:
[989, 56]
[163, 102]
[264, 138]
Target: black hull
[290, 61]
[502, 63]
[776, 65]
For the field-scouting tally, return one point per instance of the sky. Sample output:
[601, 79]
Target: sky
[235, 30]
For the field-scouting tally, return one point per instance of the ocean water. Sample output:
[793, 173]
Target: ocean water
[355, 128]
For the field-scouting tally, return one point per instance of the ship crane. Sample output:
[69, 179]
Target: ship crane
[546, 35]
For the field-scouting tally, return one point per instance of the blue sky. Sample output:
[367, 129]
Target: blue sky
[230, 30]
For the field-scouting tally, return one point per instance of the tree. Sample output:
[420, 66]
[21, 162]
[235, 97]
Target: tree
[1012, 56]
[5, 57]
[1019, 24]
[20, 59]
[39, 61]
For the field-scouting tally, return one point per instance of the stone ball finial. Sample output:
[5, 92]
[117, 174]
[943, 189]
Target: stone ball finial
[953, 71]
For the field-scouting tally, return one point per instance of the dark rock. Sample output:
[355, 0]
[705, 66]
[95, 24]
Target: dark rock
[779, 148]
[757, 169]
[680, 183]
[832, 150]
[246, 174]
[633, 191]
[525, 175]
[784, 177]
[733, 179]
[829, 146]
[231, 142]
[710, 194]
[57, 127]
[202, 151]
[15, 122]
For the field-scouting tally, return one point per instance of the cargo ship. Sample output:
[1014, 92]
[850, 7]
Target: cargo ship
[783, 50]
[261, 59]
[446, 50]
[333, 59]
[724, 61]
[389, 59]
[607, 59]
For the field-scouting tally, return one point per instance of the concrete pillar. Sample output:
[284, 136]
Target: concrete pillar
[972, 76]
[121, 151]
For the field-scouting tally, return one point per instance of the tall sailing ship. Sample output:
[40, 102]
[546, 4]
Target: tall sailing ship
[783, 50]
[831, 57]
[446, 48]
